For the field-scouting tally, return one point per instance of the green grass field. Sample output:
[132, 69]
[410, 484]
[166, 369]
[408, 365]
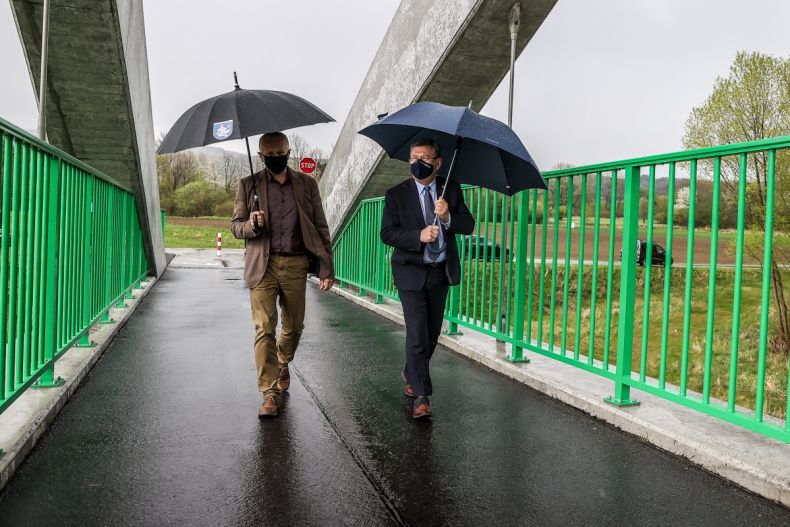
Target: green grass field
[199, 233]
[776, 373]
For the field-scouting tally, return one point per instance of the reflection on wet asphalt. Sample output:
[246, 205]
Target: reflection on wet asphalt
[164, 432]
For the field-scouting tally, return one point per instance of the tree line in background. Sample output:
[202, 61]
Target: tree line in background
[751, 103]
[204, 182]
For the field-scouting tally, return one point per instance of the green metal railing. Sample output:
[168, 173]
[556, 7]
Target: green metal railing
[546, 272]
[71, 248]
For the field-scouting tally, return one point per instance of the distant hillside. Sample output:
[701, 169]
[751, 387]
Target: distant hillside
[212, 152]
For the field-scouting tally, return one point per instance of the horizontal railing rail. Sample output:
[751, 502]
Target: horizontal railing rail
[694, 311]
[71, 247]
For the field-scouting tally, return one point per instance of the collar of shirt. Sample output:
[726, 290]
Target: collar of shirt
[270, 177]
[431, 185]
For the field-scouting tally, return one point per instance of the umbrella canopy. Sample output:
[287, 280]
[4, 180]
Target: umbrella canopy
[477, 150]
[239, 114]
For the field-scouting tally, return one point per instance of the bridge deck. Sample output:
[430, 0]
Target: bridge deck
[165, 432]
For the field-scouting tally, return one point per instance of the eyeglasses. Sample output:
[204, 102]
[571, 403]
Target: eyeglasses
[412, 159]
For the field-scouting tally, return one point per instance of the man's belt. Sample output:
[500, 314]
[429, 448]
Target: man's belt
[284, 253]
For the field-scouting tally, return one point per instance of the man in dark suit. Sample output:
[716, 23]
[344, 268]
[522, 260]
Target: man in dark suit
[425, 261]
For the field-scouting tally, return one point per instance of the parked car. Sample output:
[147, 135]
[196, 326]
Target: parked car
[479, 247]
[658, 255]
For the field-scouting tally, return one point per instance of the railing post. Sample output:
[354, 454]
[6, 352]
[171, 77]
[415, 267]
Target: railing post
[455, 307]
[6, 156]
[517, 352]
[85, 340]
[110, 219]
[343, 260]
[123, 263]
[47, 378]
[381, 255]
[625, 327]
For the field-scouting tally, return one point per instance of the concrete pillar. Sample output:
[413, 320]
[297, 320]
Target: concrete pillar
[448, 51]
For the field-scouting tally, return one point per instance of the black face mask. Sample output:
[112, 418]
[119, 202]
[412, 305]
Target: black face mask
[421, 169]
[276, 164]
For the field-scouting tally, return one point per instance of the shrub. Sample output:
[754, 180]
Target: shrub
[198, 198]
[224, 208]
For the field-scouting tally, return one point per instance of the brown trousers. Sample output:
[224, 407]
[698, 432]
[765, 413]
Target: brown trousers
[286, 278]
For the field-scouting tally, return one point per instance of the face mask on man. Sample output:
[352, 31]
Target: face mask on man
[421, 169]
[276, 164]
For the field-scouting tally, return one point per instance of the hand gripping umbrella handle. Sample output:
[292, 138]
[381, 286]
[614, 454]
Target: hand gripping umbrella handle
[254, 179]
[255, 218]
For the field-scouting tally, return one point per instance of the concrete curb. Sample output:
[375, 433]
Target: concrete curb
[752, 461]
[25, 421]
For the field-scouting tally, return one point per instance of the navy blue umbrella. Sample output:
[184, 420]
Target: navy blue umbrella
[483, 151]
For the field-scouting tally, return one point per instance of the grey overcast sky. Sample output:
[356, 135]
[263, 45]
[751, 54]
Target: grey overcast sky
[601, 80]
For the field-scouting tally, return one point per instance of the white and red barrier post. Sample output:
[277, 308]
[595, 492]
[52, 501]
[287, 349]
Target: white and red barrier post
[219, 245]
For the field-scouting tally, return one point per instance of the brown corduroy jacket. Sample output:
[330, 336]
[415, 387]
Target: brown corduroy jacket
[312, 223]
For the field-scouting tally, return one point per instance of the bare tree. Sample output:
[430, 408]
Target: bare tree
[257, 165]
[226, 171]
[300, 148]
[176, 170]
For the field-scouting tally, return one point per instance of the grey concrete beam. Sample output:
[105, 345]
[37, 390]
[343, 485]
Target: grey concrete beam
[98, 98]
[448, 51]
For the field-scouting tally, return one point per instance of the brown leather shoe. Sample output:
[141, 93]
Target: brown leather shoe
[284, 379]
[269, 407]
[421, 408]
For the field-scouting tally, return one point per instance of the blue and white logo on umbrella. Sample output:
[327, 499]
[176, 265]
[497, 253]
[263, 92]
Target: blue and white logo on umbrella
[223, 130]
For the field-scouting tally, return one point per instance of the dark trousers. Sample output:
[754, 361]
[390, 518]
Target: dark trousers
[423, 312]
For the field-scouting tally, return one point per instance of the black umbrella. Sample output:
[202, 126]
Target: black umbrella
[485, 152]
[239, 114]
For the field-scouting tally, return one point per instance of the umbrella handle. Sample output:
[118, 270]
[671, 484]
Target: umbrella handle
[255, 201]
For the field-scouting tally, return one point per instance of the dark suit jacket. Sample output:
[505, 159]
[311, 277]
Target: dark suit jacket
[312, 222]
[401, 226]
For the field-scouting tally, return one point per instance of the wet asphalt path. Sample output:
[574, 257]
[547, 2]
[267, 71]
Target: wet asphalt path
[165, 432]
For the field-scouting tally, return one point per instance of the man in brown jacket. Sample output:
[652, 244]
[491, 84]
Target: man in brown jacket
[278, 213]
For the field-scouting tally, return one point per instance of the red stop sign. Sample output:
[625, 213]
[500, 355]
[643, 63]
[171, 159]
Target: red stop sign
[307, 165]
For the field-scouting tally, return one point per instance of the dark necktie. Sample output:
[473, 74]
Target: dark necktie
[434, 247]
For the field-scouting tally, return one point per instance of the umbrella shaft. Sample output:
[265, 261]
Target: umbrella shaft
[450, 172]
[249, 156]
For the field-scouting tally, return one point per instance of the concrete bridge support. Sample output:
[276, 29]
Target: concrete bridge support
[448, 51]
[99, 100]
